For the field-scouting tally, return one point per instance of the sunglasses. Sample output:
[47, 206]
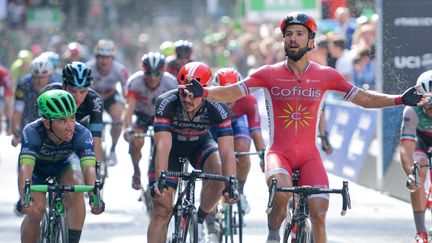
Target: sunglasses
[153, 73]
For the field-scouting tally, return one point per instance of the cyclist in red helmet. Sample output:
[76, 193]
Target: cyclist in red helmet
[294, 92]
[181, 127]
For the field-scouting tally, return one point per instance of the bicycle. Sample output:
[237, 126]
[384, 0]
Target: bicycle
[54, 224]
[145, 193]
[102, 166]
[299, 216]
[184, 210]
[415, 171]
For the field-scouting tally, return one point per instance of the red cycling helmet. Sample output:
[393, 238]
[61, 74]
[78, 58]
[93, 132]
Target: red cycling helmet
[302, 19]
[195, 70]
[226, 76]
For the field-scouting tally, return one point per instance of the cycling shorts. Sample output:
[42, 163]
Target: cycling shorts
[196, 152]
[54, 169]
[312, 171]
[114, 98]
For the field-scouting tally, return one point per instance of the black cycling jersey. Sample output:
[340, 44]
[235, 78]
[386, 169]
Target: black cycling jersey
[170, 116]
[90, 112]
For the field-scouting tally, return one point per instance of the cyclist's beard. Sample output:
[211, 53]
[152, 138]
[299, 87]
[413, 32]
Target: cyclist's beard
[297, 55]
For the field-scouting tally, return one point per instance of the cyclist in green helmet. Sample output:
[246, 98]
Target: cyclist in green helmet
[56, 146]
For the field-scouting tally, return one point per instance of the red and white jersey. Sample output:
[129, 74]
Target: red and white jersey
[6, 81]
[293, 102]
[106, 84]
[248, 106]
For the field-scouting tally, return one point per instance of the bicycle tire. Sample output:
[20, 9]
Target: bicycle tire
[190, 233]
[238, 222]
[303, 234]
[43, 229]
[61, 233]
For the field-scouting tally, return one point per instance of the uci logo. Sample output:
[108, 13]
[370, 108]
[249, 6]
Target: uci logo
[413, 62]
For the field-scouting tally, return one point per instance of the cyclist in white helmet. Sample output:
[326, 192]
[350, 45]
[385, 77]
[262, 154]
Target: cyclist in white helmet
[415, 141]
[28, 89]
[107, 72]
[143, 88]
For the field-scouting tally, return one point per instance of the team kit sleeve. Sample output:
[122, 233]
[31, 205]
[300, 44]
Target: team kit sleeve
[409, 125]
[338, 83]
[162, 120]
[83, 144]
[220, 118]
[96, 116]
[30, 145]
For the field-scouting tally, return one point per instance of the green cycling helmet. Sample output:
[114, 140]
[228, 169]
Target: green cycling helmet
[56, 104]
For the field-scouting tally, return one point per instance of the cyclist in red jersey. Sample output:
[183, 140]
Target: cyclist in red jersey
[294, 90]
[243, 131]
[6, 98]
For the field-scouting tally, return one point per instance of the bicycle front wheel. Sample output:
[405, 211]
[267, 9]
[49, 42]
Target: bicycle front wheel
[190, 224]
[43, 235]
[59, 231]
[304, 232]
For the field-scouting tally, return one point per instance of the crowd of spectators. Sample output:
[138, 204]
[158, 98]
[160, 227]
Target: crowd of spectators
[244, 45]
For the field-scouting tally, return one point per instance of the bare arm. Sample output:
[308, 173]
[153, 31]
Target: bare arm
[407, 148]
[372, 99]
[130, 107]
[226, 151]
[97, 148]
[225, 94]
[163, 144]
[258, 140]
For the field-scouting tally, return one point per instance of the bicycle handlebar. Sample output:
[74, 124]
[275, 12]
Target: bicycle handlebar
[242, 154]
[61, 188]
[307, 190]
[198, 174]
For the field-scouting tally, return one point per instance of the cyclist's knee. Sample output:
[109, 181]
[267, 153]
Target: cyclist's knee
[161, 212]
[318, 218]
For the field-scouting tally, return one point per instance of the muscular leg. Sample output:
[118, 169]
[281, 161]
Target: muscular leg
[243, 163]
[418, 200]
[74, 202]
[115, 112]
[30, 227]
[318, 207]
[135, 152]
[212, 190]
[279, 211]
[162, 210]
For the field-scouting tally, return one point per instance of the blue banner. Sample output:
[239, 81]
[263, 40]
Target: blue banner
[351, 131]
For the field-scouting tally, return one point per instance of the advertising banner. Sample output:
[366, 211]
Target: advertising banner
[406, 53]
[351, 131]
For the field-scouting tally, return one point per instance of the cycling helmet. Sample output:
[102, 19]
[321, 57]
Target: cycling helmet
[425, 82]
[25, 55]
[153, 61]
[74, 50]
[167, 48]
[183, 48]
[226, 76]
[56, 103]
[41, 66]
[53, 57]
[77, 75]
[302, 19]
[105, 47]
[195, 70]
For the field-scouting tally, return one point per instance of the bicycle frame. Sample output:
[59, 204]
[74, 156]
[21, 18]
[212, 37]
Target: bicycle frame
[55, 222]
[185, 203]
[300, 216]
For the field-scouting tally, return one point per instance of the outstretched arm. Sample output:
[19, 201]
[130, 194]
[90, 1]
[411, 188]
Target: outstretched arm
[372, 99]
[223, 94]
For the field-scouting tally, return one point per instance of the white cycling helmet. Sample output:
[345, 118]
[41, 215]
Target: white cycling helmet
[425, 82]
[41, 67]
[105, 47]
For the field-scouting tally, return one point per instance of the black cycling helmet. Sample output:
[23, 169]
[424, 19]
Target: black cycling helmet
[302, 19]
[77, 75]
[153, 61]
[183, 48]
